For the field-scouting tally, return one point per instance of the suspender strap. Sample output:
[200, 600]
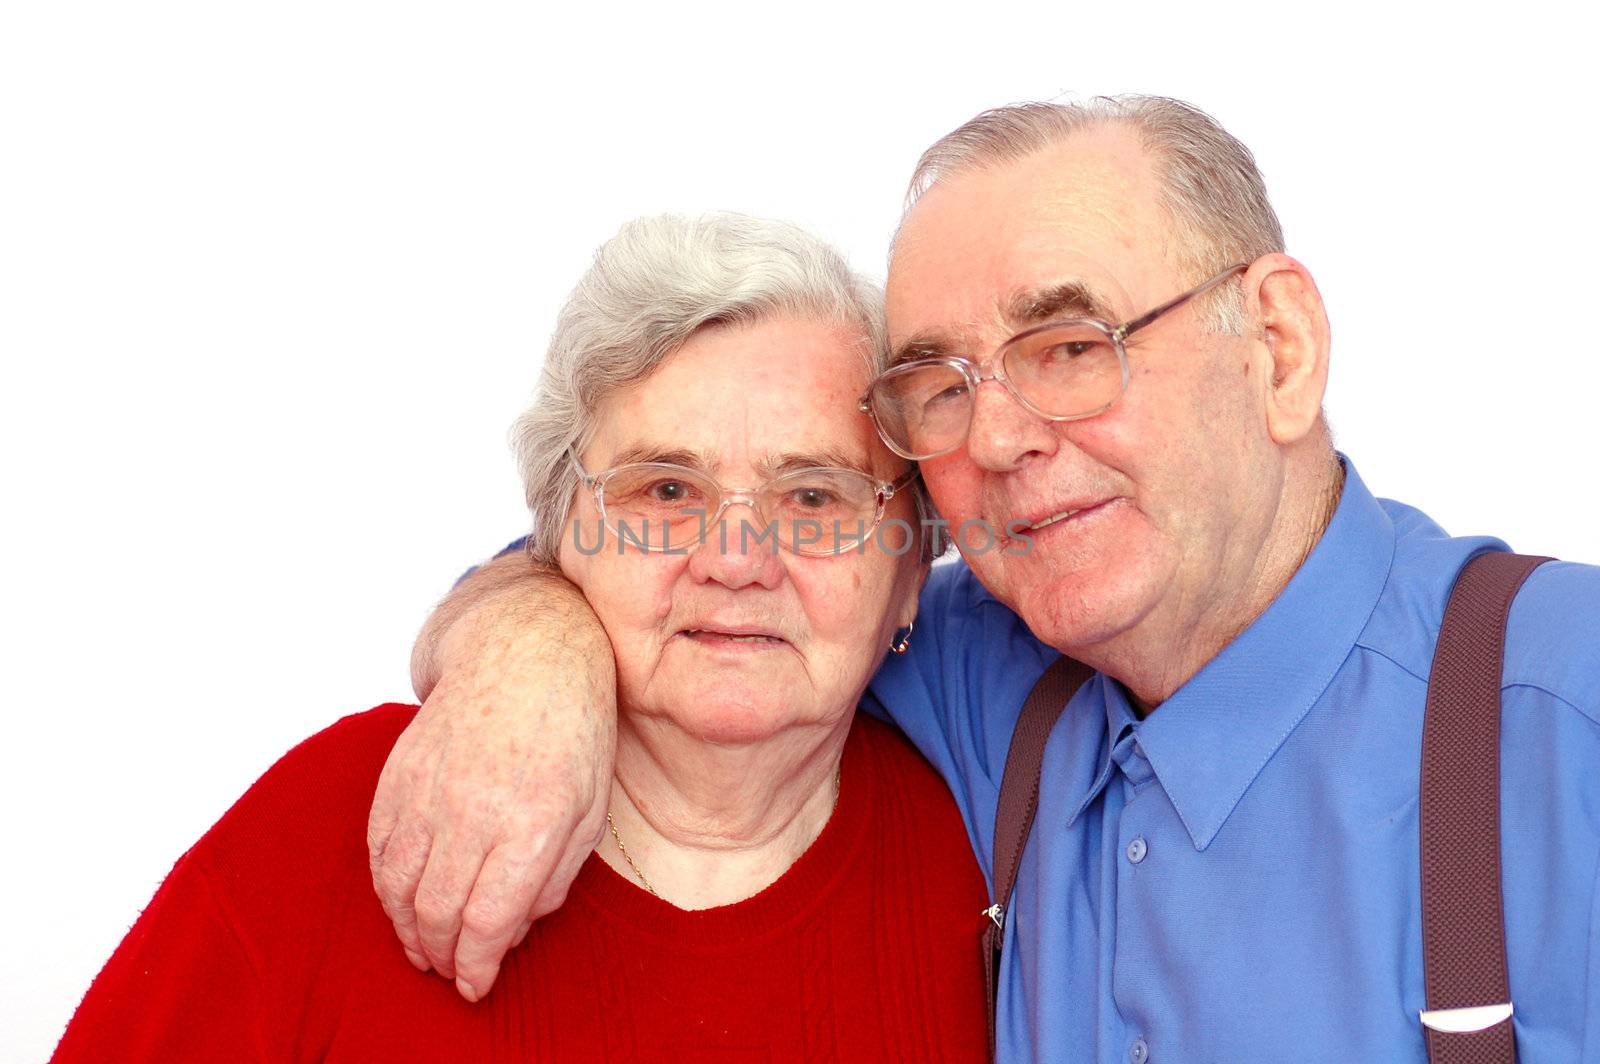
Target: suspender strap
[1019, 801]
[1468, 1019]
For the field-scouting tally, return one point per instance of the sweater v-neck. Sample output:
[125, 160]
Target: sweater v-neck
[804, 886]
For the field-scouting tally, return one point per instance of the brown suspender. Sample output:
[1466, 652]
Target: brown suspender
[1463, 915]
[1019, 801]
[1463, 923]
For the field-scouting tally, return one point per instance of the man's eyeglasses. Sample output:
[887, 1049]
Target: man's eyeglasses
[1063, 371]
[657, 506]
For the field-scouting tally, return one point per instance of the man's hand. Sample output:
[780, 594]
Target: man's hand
[497, 792]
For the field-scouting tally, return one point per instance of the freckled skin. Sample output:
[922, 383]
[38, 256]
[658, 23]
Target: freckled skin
[741, 394]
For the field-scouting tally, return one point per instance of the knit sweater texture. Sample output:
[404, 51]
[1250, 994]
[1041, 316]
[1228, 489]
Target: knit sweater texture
[267, 943]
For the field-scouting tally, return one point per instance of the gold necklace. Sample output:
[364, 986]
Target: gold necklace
[626, 856]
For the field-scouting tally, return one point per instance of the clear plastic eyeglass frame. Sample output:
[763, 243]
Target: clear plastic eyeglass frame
[1116, 334]
[723, 498]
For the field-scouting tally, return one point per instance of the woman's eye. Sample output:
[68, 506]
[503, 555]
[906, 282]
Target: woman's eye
[813, 498]
[669, 491]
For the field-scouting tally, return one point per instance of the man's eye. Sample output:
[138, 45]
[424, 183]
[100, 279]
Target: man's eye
[954, 393]
[1069, 350]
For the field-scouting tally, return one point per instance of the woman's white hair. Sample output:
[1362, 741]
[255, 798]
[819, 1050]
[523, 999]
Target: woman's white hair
[651, 287]
[1211, 187]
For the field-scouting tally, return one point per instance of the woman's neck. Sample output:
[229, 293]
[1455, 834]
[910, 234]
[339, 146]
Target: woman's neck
[703, 824]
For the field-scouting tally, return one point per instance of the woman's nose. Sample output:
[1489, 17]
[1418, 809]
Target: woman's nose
[738, 551]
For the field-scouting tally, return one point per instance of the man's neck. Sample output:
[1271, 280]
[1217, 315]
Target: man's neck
[1151, 664]
[707, 824]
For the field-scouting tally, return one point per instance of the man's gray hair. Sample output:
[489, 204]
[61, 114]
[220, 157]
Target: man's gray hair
[1211, 187]
[652, 287]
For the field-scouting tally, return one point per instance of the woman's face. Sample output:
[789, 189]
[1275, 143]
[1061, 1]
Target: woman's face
[736, 402]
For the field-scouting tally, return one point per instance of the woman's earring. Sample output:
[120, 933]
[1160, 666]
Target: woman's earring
[902, 643]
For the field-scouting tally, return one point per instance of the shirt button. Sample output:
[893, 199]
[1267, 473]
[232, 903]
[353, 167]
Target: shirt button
[1138, 1053]
[1136, 851]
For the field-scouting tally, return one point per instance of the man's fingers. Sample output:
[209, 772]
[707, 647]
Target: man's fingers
[442, 894]
[553, 891]
[397, 867]
[584, 840]
[497, 916]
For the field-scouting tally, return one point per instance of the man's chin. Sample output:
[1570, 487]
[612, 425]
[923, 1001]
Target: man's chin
[1077, 609]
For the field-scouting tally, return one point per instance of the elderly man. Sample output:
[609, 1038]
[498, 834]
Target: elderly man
[1224, 864]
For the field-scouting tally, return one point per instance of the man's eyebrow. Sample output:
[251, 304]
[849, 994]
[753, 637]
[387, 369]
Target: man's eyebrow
[1032, 306]
[923, 345]
[1070, 299]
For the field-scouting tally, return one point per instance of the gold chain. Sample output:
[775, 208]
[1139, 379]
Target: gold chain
[626, 856]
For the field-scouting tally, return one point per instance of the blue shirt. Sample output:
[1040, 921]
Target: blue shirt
[1234, 878]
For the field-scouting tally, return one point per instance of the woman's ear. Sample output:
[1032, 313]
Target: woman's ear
[912, 592]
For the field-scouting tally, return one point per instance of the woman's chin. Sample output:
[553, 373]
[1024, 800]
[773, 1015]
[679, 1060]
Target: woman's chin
[733, 717]
[733, 713]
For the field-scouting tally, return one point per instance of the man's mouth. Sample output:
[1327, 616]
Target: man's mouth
[1066, 513]
[1022, 527]
[1053, 518]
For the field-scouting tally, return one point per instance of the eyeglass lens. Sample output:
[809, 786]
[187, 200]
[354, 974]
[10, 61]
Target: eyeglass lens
[662, 507]
[1062, 371]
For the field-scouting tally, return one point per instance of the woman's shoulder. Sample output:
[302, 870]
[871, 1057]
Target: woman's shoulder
[904, 787]
[348, 750]
[313, 801]
[891, 754]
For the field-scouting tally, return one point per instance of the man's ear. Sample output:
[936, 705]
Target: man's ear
[1282, 299]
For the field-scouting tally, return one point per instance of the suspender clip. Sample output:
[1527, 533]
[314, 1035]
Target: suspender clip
[1467, 1020]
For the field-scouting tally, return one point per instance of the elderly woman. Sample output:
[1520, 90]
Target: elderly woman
[781, 879]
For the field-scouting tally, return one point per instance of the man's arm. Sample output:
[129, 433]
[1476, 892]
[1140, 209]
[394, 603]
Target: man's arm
[491, 800]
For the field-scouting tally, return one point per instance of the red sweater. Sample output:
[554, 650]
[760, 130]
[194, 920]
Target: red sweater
[266, 942]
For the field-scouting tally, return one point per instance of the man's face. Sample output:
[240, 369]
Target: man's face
[1169, 492]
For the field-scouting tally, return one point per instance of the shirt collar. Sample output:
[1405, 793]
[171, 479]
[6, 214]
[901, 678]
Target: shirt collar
[1211, 738]
[1119, 724]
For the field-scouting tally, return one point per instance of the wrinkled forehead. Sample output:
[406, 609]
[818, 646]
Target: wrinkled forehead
[748, 399]
[1079, 227]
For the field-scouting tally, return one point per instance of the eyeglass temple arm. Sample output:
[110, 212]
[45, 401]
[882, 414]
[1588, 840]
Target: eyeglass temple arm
[584, 476]
[1131, 327]
[899, 484]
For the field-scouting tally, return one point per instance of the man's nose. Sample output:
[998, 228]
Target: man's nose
[740, 550]
[1003, 433]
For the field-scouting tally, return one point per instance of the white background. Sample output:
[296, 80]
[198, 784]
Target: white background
[274, 279]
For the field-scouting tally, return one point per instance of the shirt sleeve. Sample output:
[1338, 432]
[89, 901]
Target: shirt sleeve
[520, 543]
[958, 690]
[180, 987]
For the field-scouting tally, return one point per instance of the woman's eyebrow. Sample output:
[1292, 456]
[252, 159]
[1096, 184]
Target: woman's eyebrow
[772, 465]
[655, 452]
[829, 457]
